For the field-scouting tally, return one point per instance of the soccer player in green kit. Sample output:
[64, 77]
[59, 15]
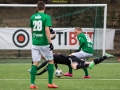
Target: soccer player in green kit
[41, 44]
[85, 49]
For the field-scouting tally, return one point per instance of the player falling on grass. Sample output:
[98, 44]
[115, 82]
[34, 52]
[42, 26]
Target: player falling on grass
[41, 44]
[85, 49]
[72, 61]
[58, 59]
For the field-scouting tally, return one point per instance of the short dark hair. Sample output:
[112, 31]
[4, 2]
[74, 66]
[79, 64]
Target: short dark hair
[41, 5]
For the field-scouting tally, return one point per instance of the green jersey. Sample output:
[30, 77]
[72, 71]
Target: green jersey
[38, 22]
[85, 43]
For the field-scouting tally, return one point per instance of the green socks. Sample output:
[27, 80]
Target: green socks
[50, 73]
[70, 69]
[86, 71]
[33, 73]
[91, 65]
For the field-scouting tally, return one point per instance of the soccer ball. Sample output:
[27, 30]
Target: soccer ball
[58, 73]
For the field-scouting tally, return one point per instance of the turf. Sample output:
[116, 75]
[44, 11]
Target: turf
[105, 76]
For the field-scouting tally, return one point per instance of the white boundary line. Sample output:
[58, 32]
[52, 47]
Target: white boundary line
[62, 79]
[30, 63]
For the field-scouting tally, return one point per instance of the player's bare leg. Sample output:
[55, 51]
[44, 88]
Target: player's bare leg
[74, 65]
[77, 63]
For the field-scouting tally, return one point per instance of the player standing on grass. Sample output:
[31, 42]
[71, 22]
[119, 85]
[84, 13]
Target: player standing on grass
[85, 49]
[53, 35]
[41, 44]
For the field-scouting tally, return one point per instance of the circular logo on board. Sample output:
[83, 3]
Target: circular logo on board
[21, 38]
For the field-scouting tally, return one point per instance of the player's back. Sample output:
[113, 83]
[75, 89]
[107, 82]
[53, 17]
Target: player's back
[38, 23]
[87, 46]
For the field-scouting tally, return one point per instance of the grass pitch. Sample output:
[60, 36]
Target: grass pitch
[105, 76]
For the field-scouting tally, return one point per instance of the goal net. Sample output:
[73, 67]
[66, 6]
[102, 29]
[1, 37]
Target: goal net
[15, 35]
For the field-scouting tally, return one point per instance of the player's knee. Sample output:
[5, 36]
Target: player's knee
[36, 63]
[50, 61]
[74, 66]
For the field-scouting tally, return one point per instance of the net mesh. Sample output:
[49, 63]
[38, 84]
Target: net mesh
[62, 17]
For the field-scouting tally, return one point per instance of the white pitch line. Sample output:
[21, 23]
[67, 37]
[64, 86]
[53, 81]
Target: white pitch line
[62, 79]
[29, 64]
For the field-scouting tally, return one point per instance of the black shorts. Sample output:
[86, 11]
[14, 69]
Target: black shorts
[75, 59]
[61, 59]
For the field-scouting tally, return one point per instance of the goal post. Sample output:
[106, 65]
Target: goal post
[69, 14]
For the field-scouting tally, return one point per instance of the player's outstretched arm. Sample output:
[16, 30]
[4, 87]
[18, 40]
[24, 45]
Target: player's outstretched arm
[56, 66]
[42, 65]
[44, 70]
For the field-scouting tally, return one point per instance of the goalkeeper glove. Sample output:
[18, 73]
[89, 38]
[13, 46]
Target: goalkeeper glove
[51, 46]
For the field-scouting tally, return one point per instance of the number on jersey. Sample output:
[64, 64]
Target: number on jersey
[37, 25]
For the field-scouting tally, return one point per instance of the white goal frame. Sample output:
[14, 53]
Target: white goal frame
[70, 5]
